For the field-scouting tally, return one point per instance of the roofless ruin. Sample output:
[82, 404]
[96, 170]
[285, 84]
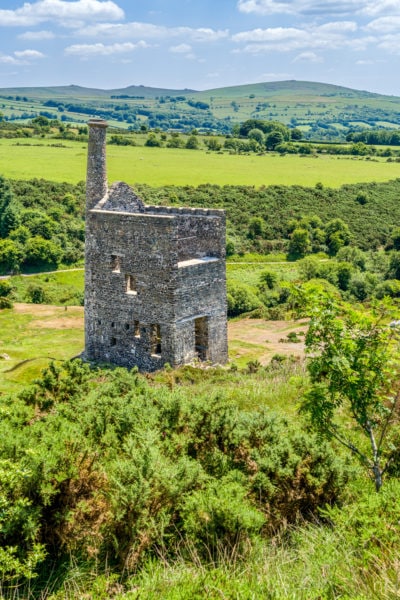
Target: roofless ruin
[155, 283]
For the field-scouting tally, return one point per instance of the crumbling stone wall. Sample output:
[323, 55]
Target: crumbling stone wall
[155, 283]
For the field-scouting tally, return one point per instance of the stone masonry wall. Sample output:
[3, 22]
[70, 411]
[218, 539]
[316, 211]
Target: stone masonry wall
[155, 285]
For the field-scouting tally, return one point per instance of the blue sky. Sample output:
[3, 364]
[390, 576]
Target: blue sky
[200, 44]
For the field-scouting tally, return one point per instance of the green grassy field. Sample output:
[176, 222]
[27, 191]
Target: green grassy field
[167, 166]
[33, 334]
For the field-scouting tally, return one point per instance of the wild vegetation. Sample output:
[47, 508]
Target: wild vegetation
[188, 483]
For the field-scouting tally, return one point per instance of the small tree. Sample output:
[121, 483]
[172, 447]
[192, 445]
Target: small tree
[354, 366]
[192, 143]
[257, 135]
[300, 243]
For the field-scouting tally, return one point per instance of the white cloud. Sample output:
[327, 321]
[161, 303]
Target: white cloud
[379, 7]
[320, 7]
[86, 51]
[37, 35]
[78, 11]
[265, 7]
[21, 57]
[9, 60]
[339, 26]
[390, 43]
[330, 36]
[28, 54]
[124, 30]
[385, 25]
[181, 49]
[149, 31]
[308, 57]
[272, 34]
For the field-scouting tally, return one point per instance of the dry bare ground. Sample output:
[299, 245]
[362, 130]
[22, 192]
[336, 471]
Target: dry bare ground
[263, 339]
[54, 317]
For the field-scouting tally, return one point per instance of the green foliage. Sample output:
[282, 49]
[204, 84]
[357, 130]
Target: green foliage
[20, 553]
[394, 265]
[10, 256]
[369, 525]
[9, 209]
[109, 469]
[5, 288]
[256, 227]
[42, 253]
[337, 235]
[395, 238]
[192, 143]
[36, 294]
[268, 279]
[175, 141]
[354, 370]
[5, 302]
[241, 299]
[257, 135]
[213, 143]
[300, 243]
[390, 287]
[152, 140]
[119, 140]
[352, 255]
[220, 518]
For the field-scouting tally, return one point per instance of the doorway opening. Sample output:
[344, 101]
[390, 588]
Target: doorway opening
[201, 337]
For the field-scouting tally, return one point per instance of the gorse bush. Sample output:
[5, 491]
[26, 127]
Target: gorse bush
[109, 468]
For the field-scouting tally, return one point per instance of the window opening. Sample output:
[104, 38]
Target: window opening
[131, 287]
[155, 339]
[136, 329]
[113, 341]
[201, 337]
[115, 263]
[127, 326]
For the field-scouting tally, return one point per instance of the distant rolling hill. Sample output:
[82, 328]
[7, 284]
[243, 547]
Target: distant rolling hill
[321, 110]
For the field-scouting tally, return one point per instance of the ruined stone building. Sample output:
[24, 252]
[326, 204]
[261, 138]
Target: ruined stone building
[155, 285]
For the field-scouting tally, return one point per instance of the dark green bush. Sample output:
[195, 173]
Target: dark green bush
[5, 302]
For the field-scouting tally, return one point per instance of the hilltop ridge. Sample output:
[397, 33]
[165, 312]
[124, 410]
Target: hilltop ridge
[320, 110]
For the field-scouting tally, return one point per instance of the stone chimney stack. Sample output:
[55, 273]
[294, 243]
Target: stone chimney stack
[96, 178]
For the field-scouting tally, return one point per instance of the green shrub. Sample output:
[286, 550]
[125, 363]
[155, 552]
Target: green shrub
[5, 302]
[111, 470]
[390, 287]
[5, 287]
[241, 299]
[37, 294]
[268, 279]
